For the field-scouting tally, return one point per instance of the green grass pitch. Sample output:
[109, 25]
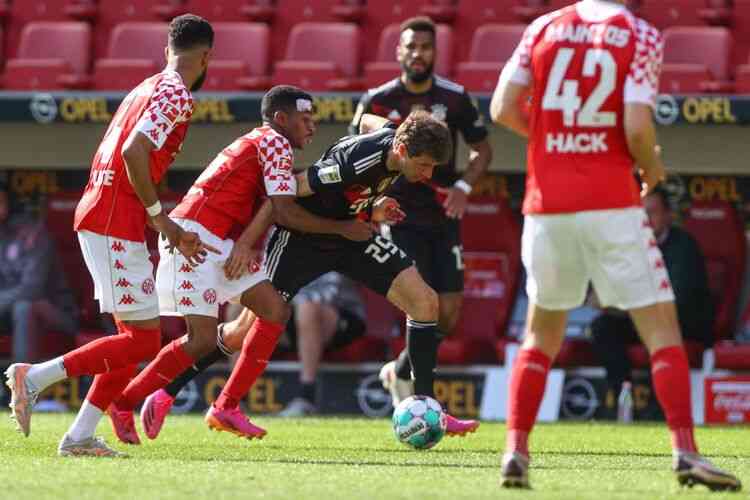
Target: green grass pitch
[355, 458]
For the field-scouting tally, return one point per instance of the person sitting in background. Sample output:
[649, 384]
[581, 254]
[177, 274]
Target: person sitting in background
[613, 330]
[326, 314]
[34, 295]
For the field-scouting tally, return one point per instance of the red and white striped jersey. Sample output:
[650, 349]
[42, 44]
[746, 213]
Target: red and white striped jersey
[224, 198]
[160, 108]
[583, 63]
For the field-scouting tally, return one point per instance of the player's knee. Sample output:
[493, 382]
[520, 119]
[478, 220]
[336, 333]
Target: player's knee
[425, 305]
[278, 311]
[198, 345]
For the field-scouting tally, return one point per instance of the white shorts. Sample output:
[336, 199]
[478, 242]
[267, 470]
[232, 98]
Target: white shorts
[123, 275]
[200, 290]
[614, 249]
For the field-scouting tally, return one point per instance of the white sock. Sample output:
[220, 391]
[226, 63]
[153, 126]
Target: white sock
[85, 423]
[43, 375]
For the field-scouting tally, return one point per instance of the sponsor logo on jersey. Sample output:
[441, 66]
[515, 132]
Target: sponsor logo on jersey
[561, 142]
[148, 286]
[439, 112]
[186, 285]
[102, 177]
[154, 134]
[283, 187]
[127, 299]
[185, 301]
[123, 283]
[210, 296]
[117, 246]
[330, 174]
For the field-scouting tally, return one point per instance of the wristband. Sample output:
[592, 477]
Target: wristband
[463, 186]
[154, 209]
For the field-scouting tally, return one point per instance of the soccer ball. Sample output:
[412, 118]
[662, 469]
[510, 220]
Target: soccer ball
[419, 422]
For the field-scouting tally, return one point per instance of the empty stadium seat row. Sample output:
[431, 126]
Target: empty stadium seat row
[56, 55]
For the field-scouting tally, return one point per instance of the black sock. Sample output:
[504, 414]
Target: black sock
[422, 343]
[183, 378]
[307, 391]
[403, 366]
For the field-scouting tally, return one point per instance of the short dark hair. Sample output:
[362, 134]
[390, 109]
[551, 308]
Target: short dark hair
[281, 98]
[663, 196]
[419, 23]
[188, 31]
[421, 134]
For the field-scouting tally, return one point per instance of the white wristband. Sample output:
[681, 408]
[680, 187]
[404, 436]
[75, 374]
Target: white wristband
[154, 209]
[463, 186]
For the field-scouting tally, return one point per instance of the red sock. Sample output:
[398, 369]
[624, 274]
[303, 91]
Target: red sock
[111, 353]
[170, 362]
[527, 381]
[256, 349]
[108, 386]
[670, 374]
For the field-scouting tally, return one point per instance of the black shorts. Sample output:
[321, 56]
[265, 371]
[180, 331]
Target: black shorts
[292, 260]
[348, 328]
[437, 251]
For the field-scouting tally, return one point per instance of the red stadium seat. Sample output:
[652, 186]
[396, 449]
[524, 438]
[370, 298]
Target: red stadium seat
[361, 350]
[290, 13]
[730, 355]
[350, 11]
[51, 55]
[666, 13]
[231, 11]
[312, 64]
[742, 78]
[492, 260]
[113, 13]
[136, 51]
[717, 12]
[60, 211]
[441, 11]
[385, 67]
[240, 57]
[492, 46]
[639, 357]
[720, 233]
[696, 59]
[380, 14]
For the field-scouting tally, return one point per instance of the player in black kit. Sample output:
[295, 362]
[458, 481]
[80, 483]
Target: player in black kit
[431, 231]
[347, 183]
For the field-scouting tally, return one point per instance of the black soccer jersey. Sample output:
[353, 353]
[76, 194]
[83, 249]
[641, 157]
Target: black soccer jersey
[447, 101]
[350, 175]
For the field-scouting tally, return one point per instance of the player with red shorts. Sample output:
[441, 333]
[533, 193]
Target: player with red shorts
[219, 207]
[145, 135]
[592, 70]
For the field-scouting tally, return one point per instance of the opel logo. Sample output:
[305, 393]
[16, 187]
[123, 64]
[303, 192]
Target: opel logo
[373, 400]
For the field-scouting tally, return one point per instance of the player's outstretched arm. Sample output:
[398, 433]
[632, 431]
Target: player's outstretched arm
[641, 137]
[370, 123]
[243, 250]
[288, 213]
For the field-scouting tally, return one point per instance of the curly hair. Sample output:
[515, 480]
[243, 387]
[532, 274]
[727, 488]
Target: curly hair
[188, 30]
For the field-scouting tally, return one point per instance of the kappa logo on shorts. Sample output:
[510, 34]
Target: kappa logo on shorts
[148, 286]
[659, 264]
[652, 243]
[186, 268]
[118, 265]
[117, 246]
[127, 299]
[665, 285]
[185, 301]
[123, 283]
[186, 285]
[209, 296]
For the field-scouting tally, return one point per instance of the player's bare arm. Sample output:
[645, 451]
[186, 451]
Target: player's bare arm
[136, 153]
[506, 106]
[370, 123]
[641, 136]
[243, 252]
[457, 196]
[289, 214]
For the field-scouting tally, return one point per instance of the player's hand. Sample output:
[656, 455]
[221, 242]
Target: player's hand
[189, 244]
[388, 211]
[455, 202]
[653, 176]
[355, 230]
[239, 261]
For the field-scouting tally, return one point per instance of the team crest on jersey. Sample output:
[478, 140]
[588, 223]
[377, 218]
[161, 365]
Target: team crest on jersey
[330, 174]
[439, 112]
[148, 286]
[210, 296]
